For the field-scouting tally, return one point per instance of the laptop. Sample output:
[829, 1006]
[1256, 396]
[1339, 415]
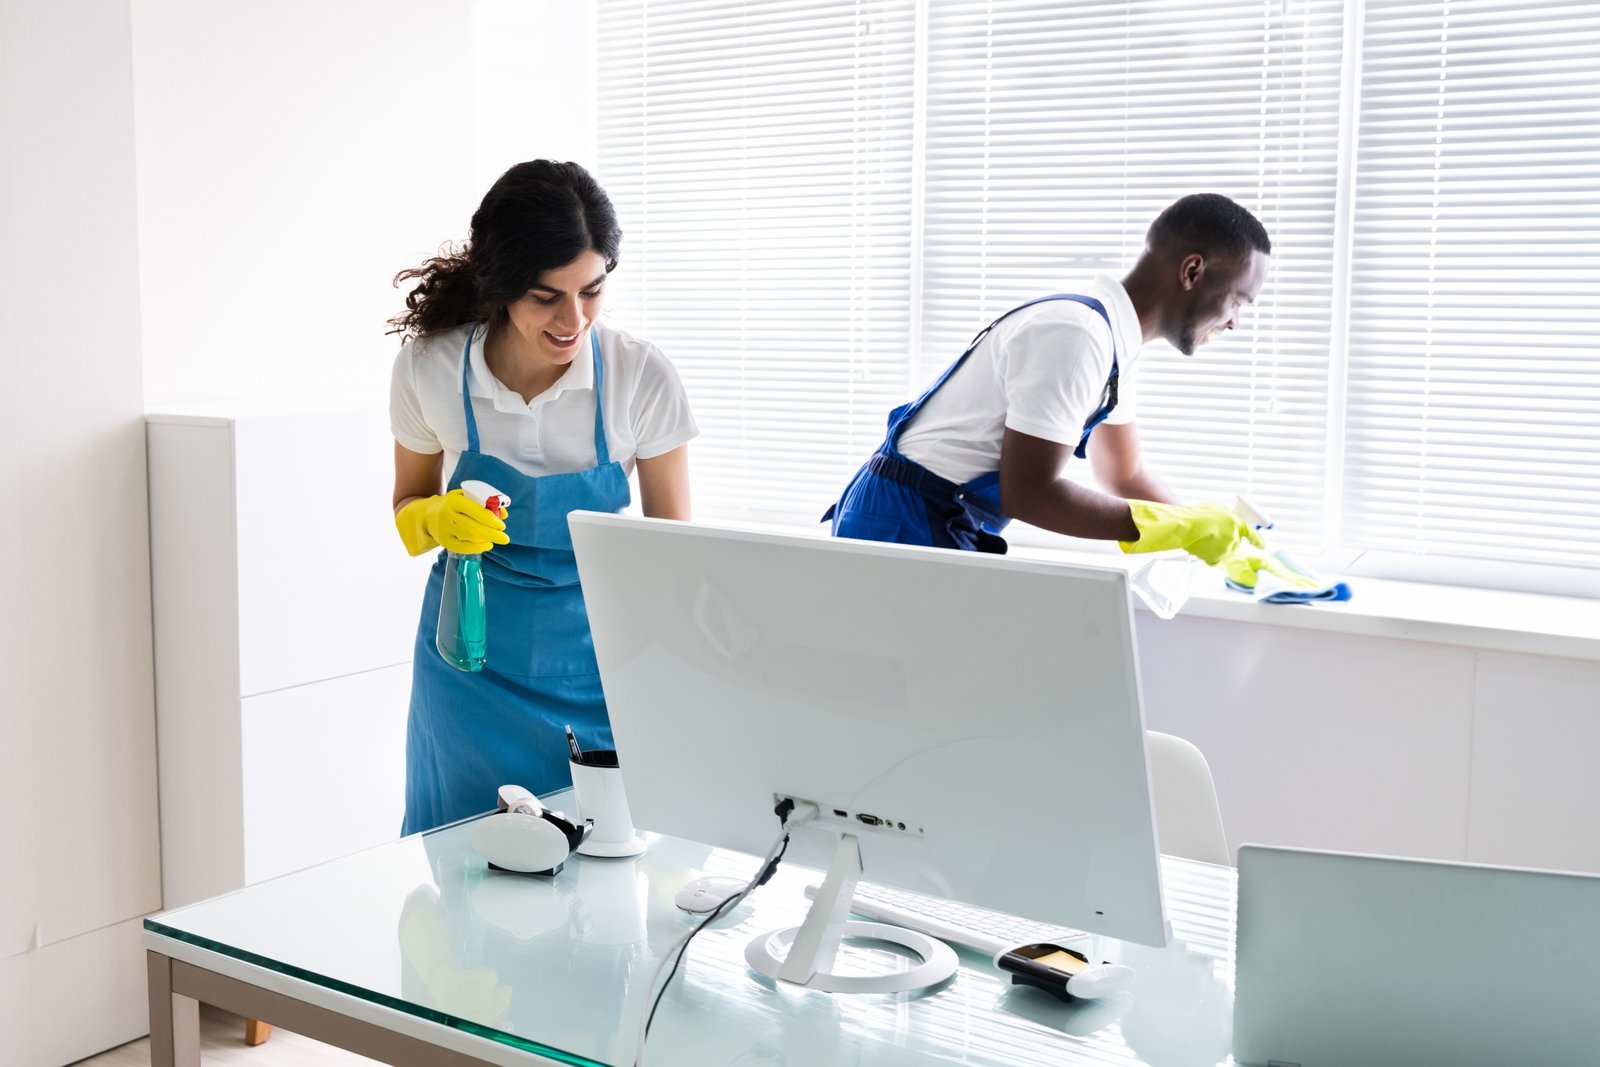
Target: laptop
[1347, 959]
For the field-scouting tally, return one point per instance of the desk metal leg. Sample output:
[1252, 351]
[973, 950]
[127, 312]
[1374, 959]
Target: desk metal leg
[174, 1018]
[177, 989]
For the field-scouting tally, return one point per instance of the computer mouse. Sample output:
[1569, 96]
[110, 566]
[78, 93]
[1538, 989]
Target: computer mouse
[701, 895]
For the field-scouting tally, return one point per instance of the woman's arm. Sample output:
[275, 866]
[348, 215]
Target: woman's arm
[416, 474]
[664, 484]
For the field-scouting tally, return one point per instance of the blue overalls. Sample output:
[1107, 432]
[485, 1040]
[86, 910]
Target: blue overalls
[469, 734]
[893, 498]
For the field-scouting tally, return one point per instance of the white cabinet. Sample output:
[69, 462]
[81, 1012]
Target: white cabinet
[63, 1001]
[323, 773]
[79, 844]
[285, 609]
[1376, 744]
[1319, 740]
[1535, 794]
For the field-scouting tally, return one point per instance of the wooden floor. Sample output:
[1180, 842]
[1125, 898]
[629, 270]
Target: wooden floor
[222, 1045]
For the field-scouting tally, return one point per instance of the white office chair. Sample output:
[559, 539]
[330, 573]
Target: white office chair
[1188, 817]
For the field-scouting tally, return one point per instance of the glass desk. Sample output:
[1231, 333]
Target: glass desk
[414, 953]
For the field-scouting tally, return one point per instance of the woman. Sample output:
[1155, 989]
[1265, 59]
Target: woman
[507, 377]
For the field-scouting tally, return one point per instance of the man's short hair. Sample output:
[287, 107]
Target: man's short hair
[1208, 223]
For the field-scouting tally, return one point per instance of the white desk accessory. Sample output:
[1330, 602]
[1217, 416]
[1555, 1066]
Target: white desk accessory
[523, 837]
[597, 787]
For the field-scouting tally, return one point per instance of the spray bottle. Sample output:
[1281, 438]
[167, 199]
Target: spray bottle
[462, 637]
[1165, 582]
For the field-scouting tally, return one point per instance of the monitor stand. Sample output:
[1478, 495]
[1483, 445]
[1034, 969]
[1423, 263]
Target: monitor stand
[813, 945]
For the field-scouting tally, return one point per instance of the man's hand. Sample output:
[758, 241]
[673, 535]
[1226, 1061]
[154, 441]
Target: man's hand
[1244, 566]
[1210, 531]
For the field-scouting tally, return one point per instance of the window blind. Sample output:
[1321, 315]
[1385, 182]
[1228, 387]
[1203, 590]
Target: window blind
[1474, 388]
[764, 159]
[823, 202]
[1056, 134]
[760, 157]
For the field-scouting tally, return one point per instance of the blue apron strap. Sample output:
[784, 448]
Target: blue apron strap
[602, 455]
[466, 394]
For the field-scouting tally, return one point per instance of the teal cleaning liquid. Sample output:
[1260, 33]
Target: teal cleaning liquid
[462, 636]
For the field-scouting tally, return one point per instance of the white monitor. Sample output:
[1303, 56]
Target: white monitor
[972, 721]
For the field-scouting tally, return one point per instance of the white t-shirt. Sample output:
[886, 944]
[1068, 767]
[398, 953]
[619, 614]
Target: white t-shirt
[1041, 372]
[646, 409]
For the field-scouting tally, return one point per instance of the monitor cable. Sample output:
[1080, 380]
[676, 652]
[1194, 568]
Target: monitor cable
[792, 815]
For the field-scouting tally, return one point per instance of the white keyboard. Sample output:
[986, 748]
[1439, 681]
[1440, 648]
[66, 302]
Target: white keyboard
[988, 932]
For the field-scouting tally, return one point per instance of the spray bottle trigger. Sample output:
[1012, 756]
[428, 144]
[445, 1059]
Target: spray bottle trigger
[1246, 510]
[485, 495]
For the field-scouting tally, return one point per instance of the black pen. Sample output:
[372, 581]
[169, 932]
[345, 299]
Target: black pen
[572, 746]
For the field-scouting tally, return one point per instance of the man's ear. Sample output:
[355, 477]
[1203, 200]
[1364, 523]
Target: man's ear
[1189, 270]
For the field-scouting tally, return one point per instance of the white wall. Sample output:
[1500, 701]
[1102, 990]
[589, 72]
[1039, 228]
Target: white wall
[198, 201]
[536, 83]
[78, 859]
[293, 156]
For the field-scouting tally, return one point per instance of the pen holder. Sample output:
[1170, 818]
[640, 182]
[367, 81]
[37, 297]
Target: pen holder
[597, 786]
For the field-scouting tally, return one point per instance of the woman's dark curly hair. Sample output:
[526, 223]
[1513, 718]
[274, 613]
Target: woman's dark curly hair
[538, 216]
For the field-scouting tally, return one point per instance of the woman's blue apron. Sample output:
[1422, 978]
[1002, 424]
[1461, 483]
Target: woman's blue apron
[893, 498]
[469, 734]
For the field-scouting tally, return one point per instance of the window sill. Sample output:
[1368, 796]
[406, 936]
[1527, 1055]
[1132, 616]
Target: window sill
[1383, 607]
[1469, 617]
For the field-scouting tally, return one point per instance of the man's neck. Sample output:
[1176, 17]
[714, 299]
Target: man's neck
[1145, 295]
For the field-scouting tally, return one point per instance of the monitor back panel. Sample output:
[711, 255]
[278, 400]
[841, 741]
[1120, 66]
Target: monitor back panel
[1350, 959]
[987, 710]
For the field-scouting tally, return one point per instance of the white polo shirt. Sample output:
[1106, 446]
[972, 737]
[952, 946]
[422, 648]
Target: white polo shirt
[1041, 372]
[646, 409]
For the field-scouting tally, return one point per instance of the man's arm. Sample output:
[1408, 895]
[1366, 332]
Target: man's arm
[1118, 466]
[1032, 490]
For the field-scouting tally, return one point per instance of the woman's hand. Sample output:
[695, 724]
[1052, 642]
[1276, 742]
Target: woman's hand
[452, 522]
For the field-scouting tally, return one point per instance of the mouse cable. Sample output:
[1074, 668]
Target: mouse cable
[793, 815]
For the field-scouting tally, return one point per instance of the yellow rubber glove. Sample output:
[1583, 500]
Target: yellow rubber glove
[1209, 531]
[452, 522]
[1244, 567]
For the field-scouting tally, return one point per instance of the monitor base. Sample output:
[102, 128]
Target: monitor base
[938, 960]
[810, 948]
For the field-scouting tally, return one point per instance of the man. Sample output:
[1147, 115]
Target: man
[988, 441]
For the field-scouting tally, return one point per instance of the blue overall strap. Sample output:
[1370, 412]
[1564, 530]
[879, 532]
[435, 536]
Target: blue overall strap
[602, 455]
[466, 394]
[1094, 419]
[1100, 414]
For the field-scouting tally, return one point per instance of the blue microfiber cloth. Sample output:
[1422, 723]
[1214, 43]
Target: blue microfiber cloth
[1271, 589]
